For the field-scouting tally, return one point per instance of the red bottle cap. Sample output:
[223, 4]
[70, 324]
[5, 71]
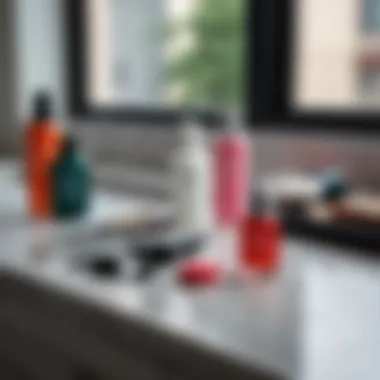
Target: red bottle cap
[200, 273]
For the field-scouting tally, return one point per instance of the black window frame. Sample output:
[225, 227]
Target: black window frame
[126, 115]
[273, 48]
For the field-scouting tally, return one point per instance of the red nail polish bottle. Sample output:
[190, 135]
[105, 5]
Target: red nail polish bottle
[261, 237]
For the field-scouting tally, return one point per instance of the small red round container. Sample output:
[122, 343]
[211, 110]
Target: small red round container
[200, 273]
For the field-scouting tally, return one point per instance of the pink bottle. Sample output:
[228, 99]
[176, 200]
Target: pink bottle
[232, 175]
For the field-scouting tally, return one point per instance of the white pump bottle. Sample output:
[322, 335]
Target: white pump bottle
[192, 181]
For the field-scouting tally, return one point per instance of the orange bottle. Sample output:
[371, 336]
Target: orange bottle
[43, 144]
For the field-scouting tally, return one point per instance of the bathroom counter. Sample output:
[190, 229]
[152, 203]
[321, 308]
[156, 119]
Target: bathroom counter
[318, 318]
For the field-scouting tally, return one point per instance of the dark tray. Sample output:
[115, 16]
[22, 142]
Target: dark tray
[363, 236]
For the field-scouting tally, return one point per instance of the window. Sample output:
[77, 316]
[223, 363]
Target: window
[156, 59]
[370, 82]
[371, 16]
[323, 67]
[333, 61]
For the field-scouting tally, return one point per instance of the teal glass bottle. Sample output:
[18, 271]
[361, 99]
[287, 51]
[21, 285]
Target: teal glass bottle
[71, 182]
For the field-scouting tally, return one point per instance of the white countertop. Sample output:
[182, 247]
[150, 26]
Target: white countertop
[318, 319]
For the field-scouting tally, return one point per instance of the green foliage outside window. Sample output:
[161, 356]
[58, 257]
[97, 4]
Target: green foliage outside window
[211, 72]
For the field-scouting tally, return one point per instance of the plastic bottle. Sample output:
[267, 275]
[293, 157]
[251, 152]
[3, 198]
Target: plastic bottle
[232, 176]
[71, 182]
[192, 182]
[43, 143]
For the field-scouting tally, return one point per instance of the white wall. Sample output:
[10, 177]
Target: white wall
[31, 57]
[41, 61]
[7, 79]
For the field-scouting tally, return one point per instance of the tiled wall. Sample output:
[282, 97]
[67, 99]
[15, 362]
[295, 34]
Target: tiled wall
[273, 152]
[360, 158]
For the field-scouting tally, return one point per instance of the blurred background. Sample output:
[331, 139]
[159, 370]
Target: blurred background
[137, 54]
[336, 61]
[166, 52]
[106, 59]
[123, 75]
